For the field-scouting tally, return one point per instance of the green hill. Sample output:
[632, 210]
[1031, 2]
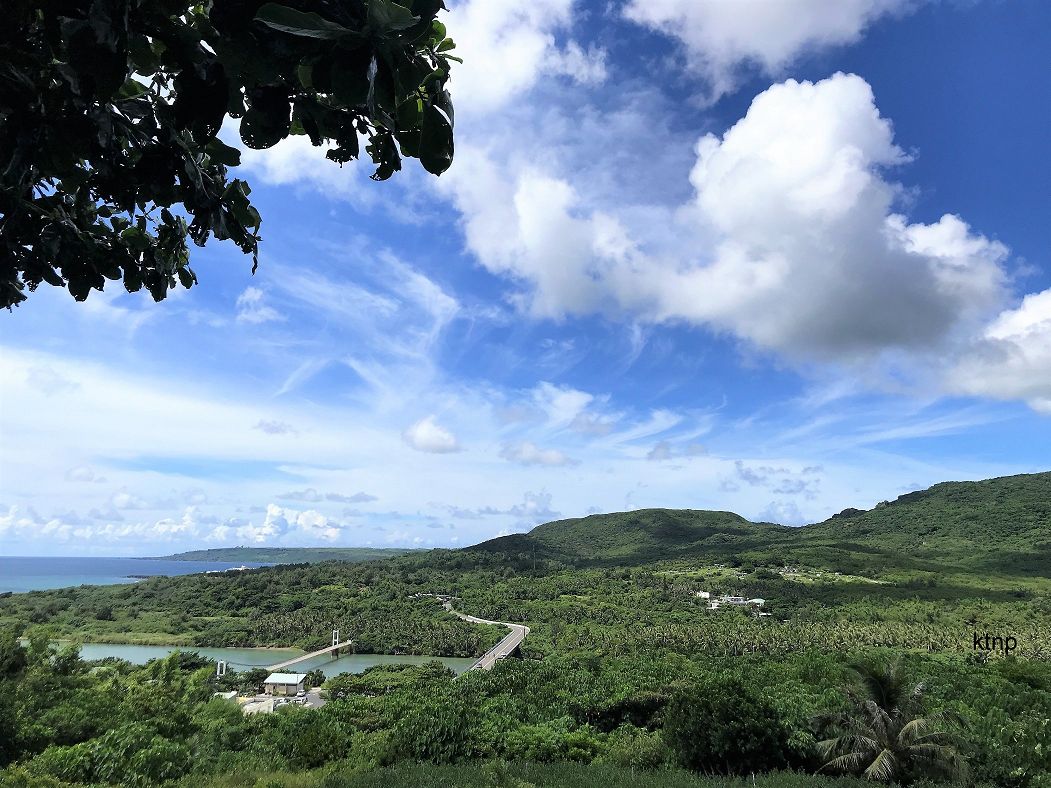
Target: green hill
[999, 524]
[290, 555]
[639, 537]
[1002, 524]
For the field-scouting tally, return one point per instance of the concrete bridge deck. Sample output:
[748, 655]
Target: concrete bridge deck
[326, 650]
[504, 648]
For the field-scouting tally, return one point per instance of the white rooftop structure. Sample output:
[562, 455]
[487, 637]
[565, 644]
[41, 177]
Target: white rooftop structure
[285, 683]
[285, 678]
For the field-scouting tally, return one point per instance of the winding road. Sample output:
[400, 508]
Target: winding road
[502, 649]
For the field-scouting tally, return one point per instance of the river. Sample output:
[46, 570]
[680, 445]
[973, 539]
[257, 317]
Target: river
[240, 659]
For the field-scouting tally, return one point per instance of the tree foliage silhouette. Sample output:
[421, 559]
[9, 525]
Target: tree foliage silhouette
[110, 112]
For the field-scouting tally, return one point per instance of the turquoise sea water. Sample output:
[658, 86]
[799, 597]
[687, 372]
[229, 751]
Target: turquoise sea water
[20, 574]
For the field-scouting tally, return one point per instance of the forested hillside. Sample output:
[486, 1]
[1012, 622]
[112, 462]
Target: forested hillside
[1003, 525]
[626, 664]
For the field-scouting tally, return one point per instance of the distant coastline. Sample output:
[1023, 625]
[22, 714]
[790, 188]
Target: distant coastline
[289, 555]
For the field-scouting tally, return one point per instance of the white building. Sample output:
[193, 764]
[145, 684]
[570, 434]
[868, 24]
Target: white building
[285, 683]
[736, 601]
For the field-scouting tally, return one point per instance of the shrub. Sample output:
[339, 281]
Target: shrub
[554, 741]
[68, 764]
[725, 727]
[636, 748]
[437, 730]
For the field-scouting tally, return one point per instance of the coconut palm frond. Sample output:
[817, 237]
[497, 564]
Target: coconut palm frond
[887, 735]
[847, 763]
[917, 729]
[885, 768]
[849, 743]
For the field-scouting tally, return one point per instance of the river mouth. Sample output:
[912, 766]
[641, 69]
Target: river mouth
[241, 659]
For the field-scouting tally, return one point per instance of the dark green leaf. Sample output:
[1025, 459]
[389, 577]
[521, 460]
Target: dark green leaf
[409, 113]
[436, 141]
[386, 17]
[219, 151]
[131, 89]
[300, 23]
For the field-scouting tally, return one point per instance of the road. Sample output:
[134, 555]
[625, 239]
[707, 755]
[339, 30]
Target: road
[502, 649]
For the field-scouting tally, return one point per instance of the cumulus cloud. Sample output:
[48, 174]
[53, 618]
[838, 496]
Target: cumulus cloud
[1012, 359]
[791, 241]
[253, 309]
[279, 522]
[506, 47]
[428, 436]
[528, 453]
[125, 500]
[720, 37]
[99, 527]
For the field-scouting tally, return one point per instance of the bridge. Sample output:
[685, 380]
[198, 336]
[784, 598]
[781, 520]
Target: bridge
[507, 646]
[333, 650]
[510, 643]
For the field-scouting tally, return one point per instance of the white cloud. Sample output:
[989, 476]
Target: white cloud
[124, 500]
[428, 436]
[535, 508]
[1012, 360]
[295, 161]
[506, 47]
[528, 453]
[721, 36]
[783, 513]
[561, 405]
[790, 241]
[586, 66]
[810, 257]
[253, 309]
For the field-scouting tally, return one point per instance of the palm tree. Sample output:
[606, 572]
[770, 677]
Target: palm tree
[886, 736]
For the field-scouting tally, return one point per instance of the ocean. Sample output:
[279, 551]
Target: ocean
[35, 574]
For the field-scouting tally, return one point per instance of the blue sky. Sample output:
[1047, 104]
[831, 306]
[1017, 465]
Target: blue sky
[780, 263]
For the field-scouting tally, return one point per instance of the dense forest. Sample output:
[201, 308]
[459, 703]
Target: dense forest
[873, 634]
